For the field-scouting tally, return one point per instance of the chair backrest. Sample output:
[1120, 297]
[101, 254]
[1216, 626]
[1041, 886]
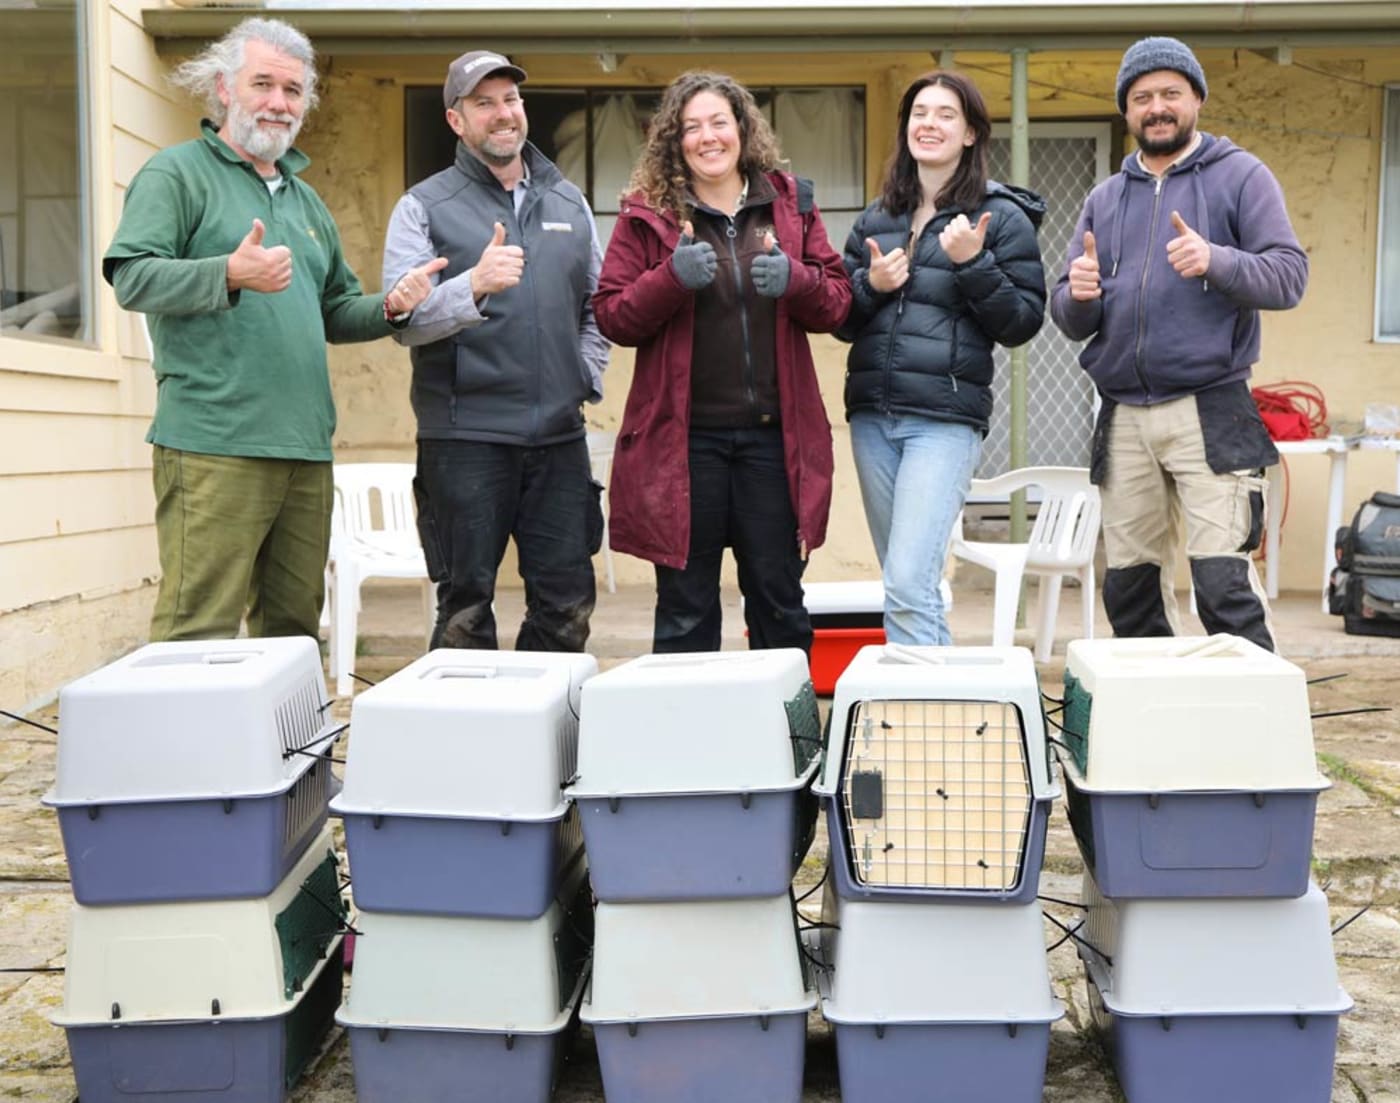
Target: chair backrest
[373, 497]
[1066, 527]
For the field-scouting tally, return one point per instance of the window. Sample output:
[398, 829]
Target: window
[1388, 249]
[45, 286]
[595, 135]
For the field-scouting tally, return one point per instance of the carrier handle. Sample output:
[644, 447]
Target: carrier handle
[1199, 649]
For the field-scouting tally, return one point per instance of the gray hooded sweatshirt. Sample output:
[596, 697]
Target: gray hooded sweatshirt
[1155, 335]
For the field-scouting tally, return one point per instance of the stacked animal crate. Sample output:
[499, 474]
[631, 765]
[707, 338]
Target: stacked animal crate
[1192, 785]
[937, 786]
[204, 947]
[693, 793]
[468, 875]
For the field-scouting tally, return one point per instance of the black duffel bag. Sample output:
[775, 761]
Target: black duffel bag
[1365, 586]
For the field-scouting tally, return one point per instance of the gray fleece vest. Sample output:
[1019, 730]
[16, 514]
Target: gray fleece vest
[519, 377]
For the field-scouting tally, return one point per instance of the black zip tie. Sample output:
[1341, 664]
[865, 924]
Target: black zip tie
[1065, 937]
[1066, 903]
[35, 969]
[1343, 926]
[366, 681]
[31, 723]
[343, 885]
[816, 962]
[1350, 712]
[825, 873]
[343, 924]
[328, 704]
[1056, 700]
[1057, 725]
[815, 926]
[325, 756]
[1074, 934]
[1327, 678]
[328, 737]
[1055, 742]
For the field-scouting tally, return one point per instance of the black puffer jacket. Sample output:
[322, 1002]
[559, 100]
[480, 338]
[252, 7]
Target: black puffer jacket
[927, 348]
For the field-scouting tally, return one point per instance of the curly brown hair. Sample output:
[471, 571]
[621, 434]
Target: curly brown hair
[661, 174]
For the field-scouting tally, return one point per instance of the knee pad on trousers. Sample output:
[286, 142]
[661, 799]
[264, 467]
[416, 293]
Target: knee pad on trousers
[1132, 597]
[1227, 602]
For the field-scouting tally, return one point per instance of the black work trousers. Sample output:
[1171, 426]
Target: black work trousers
[739, 499]
[472, 497]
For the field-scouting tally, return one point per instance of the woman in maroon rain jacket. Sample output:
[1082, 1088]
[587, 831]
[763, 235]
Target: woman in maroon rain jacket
[717, 270]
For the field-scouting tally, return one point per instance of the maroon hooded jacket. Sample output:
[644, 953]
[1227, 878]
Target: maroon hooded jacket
[641, 303]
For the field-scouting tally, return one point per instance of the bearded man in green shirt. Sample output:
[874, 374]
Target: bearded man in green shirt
[238, 267]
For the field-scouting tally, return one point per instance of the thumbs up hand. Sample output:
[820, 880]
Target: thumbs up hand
[961, 240]
[413, 287]
[888, 271]
[500, 266]
[1084, 272]
[1188, 252]
[694, 262]
[770, 269]
[255, 268]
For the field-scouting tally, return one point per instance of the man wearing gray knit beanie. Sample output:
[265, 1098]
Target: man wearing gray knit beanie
[1171, 262]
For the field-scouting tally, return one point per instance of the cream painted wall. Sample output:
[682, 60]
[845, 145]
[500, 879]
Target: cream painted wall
[77, 545]
[77, 550]
[1318, 132]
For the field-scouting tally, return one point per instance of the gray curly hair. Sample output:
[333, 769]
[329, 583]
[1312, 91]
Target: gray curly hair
[199, 76]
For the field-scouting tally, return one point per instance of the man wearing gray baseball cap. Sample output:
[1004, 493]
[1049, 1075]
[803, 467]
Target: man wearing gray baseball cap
[1171, 262]
[505, 351]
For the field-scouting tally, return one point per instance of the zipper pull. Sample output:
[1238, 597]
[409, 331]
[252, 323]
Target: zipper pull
[899, 310]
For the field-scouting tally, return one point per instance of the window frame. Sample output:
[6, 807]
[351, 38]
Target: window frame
[84, 356]
[1390, 115]
[588, 93]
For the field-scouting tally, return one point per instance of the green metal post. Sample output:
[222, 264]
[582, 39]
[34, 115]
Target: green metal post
[1020, 174]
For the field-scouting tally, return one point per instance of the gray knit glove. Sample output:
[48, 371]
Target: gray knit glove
[694, 262]
[770, 272]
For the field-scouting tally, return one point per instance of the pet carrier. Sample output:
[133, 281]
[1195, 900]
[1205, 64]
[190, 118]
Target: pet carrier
[189, 771]
[452, 800]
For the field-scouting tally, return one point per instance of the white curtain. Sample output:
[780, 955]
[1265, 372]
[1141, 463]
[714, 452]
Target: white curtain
[823, 134]
[619, 132]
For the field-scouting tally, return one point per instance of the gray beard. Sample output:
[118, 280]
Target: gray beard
[260, 144]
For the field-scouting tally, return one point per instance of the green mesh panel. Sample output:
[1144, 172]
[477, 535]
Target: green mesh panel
[1078, 704]
[306, 926]
[804, 726]
[308, 1023]
[1081, 822]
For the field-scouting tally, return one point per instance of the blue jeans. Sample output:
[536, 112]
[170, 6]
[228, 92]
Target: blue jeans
[738, 498]
[472, 497]
[914, 474]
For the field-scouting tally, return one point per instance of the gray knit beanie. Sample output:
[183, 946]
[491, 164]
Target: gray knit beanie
[1150, 54]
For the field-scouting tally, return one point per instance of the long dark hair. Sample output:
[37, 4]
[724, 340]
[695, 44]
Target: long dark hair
[967, 187]
[661, 174]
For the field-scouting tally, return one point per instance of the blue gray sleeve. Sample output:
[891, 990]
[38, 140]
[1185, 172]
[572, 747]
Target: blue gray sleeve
[592, 344]
[450, 307]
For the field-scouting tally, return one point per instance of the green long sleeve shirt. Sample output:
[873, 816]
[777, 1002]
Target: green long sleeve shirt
[238, 373]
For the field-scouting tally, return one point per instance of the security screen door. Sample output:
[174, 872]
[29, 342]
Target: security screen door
[1067, 159]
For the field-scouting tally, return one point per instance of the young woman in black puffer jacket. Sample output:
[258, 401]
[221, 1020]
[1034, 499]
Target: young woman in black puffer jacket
[944, 265]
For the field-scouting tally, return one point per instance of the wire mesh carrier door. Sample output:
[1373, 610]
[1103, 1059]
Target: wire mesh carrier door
[937, 795]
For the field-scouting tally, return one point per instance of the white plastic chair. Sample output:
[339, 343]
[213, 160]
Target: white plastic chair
[600, 458]
[1062, 542]
[373, 535]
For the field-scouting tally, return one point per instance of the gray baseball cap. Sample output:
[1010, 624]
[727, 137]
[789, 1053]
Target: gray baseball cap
[464, 74]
